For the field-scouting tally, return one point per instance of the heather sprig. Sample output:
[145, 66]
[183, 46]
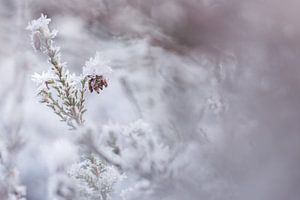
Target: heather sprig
[60, 90]
[96, 175]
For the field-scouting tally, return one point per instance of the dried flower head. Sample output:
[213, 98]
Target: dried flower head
[96, 71]
[96, 83]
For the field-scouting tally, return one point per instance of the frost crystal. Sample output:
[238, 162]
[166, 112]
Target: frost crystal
[98, 65]
[42, 79]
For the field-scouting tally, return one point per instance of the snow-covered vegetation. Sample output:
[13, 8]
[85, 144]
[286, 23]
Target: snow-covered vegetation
[149, 100]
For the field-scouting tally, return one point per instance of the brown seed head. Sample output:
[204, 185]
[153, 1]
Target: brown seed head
[96, 83]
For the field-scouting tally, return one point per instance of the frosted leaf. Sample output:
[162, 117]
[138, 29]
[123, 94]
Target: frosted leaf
[98, 65]
[36, 40]
[75, 80]
[43, 79]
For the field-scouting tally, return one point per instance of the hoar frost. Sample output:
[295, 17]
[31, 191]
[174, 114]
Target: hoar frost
[98, 65]
[59, 89]
[95, 178]
[108, 152]
[41, 35]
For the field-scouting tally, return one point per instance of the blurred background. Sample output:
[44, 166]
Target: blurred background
[218, 80]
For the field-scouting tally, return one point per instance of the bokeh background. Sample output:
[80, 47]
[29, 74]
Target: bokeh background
[218, 80]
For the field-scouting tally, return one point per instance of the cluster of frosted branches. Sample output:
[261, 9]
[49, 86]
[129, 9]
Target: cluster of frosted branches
[64, 93]
[60, 90]
[133, 149]
[110, 151]
[90, 179]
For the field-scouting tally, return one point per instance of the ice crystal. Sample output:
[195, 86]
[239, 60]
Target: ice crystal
[97, 65]
[42, 80]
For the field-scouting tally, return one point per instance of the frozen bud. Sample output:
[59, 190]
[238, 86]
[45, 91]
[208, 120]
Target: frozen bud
[36, 40]
[40, 24]
[40, 33]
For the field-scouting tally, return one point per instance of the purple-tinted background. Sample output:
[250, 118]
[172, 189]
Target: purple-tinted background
[217, 79]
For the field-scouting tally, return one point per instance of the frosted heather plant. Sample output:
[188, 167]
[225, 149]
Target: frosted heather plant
[64, 93]
[94, 178]
[135, 150]
[111, 151]
[60, 90]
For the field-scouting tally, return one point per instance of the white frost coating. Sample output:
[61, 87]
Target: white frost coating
[41, 35]
[64, 93]
[41, 79]
[39, 24]
[94, 178]
[98, 65]
[69, 105]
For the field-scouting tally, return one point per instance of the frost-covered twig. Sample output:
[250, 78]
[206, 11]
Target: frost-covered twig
[64, 93]
[133, 149]
[60, 90]
[96, 175]
[112, 150]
